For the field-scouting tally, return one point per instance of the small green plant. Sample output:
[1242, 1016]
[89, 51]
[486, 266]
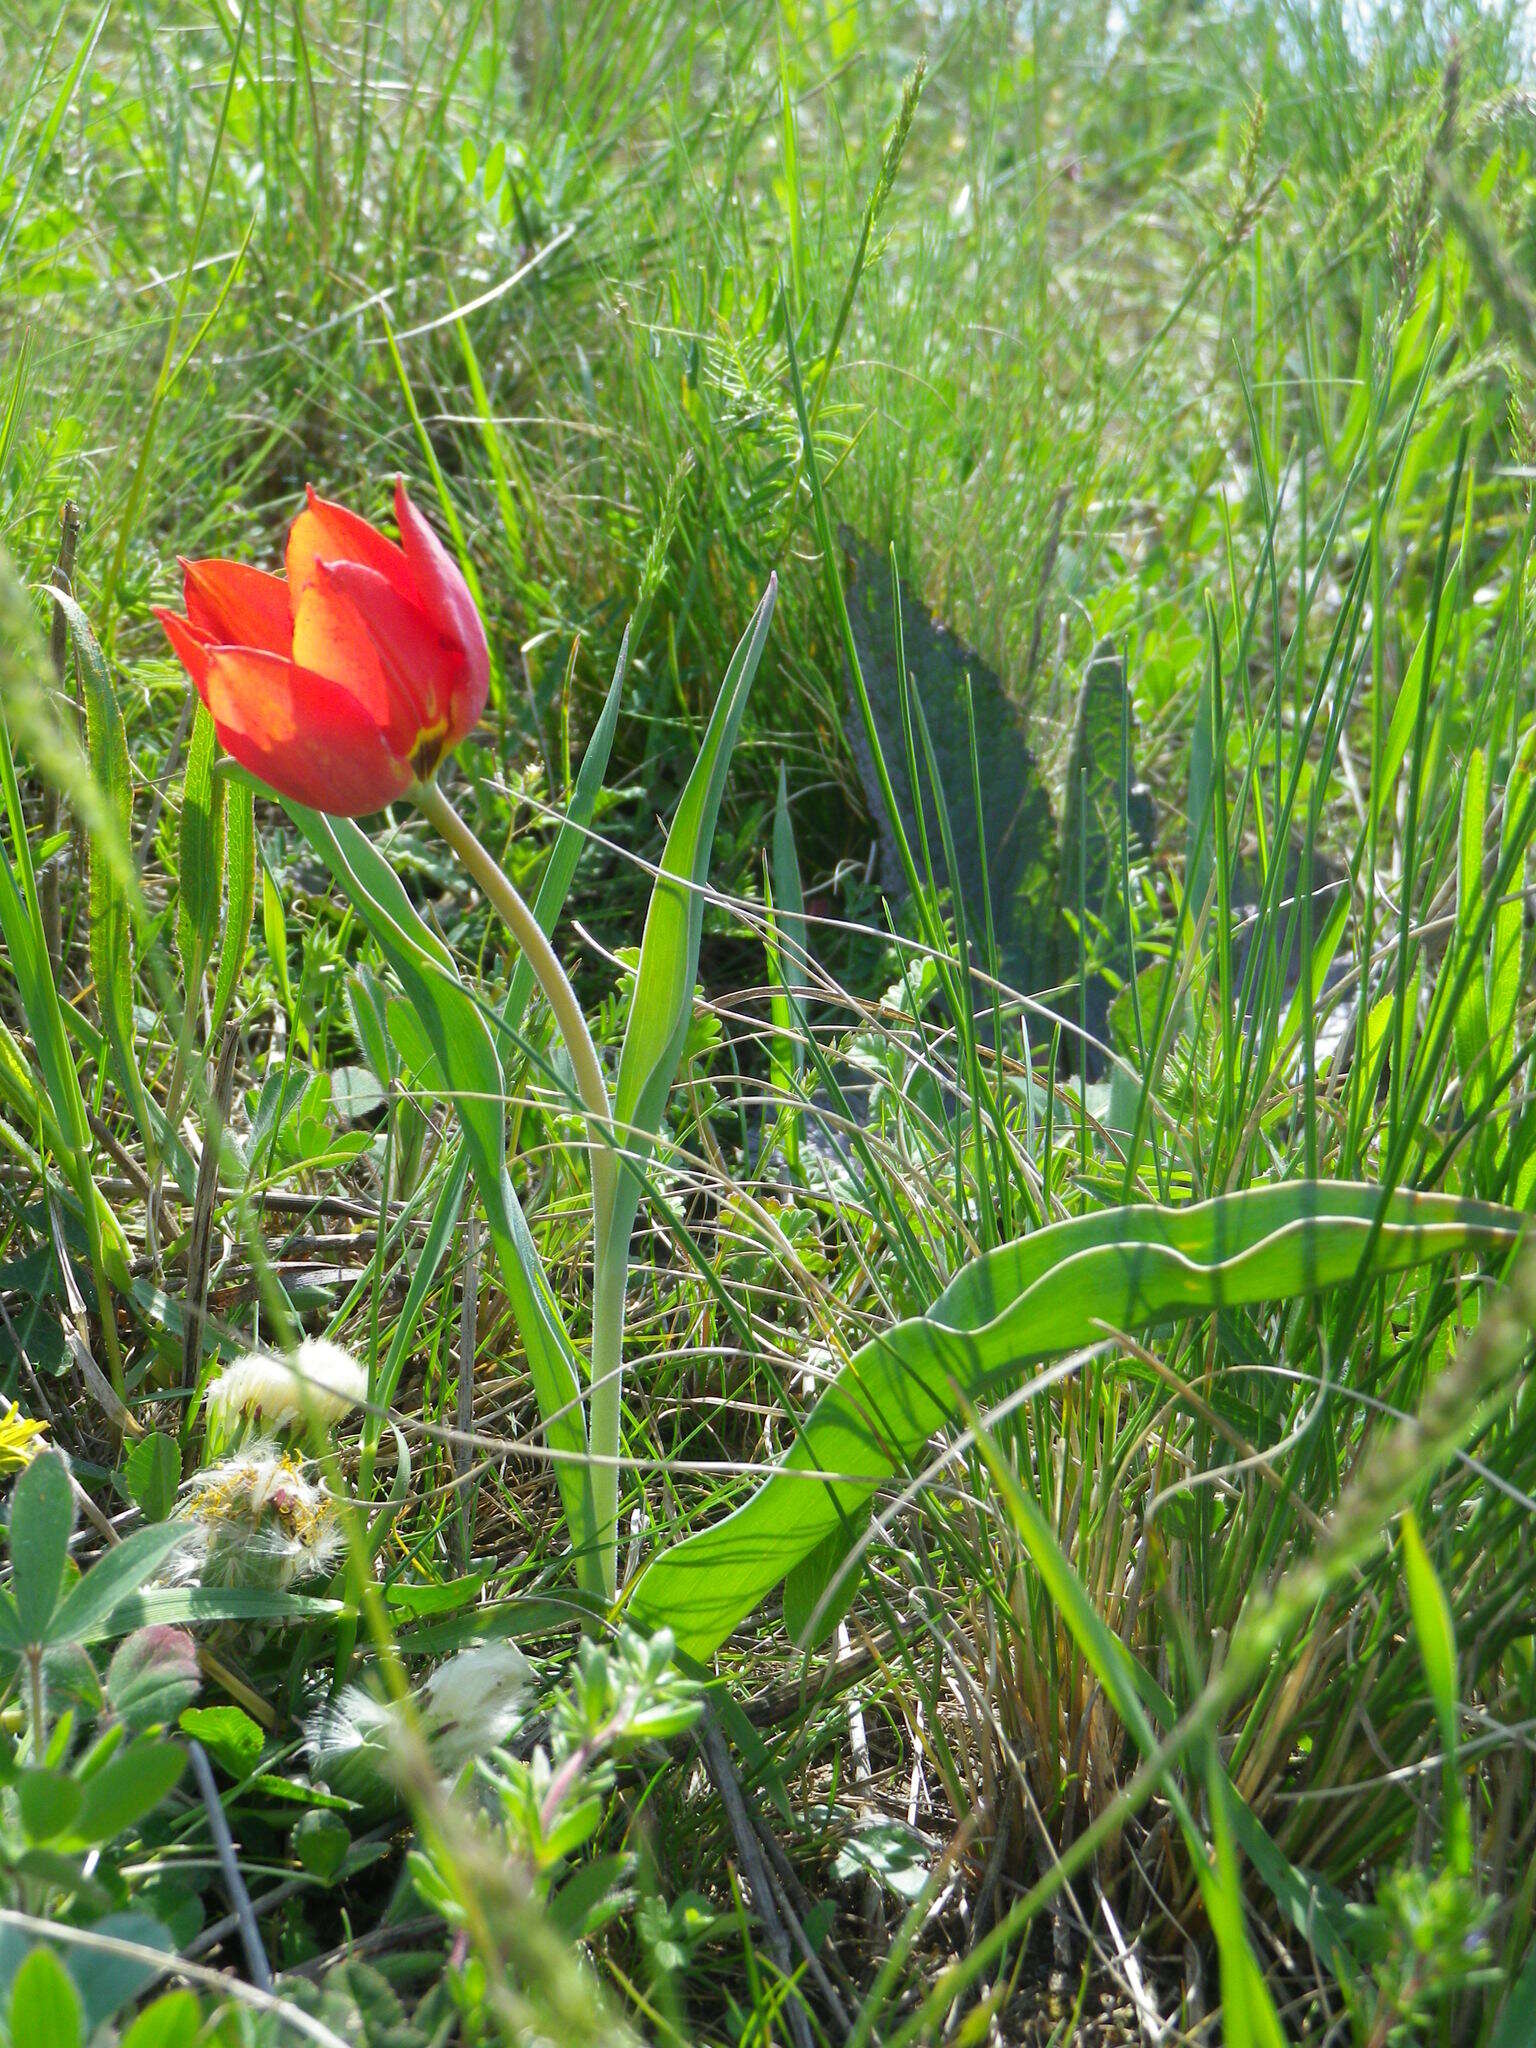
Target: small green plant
[85, 1781]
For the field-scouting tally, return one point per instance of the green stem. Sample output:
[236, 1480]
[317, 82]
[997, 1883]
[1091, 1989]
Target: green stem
[39, 1716]
[606, 1363]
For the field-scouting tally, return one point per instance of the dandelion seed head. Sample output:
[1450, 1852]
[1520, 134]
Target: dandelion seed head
[258, 1518]
[320, 1379]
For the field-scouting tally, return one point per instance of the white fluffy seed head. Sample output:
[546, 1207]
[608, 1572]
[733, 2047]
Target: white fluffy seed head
[320, 1379]
[468, 1707]
[472, 1702]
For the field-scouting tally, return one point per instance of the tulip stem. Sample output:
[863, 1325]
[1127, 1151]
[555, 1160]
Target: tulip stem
[547, 971]
[606, 1363]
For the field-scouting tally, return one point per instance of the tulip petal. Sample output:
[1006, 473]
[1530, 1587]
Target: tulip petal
[190, 651]
[303, 734]
[324, 532]
[330, 639]
[444, 596]
[232, 605]
[416, 659]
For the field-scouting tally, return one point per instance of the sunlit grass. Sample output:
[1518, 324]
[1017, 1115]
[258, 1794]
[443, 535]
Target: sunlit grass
[1202, 331]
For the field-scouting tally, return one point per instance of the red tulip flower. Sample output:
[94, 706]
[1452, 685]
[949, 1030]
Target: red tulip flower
[344, 683]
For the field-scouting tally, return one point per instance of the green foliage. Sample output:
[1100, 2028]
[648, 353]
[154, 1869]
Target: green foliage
[1162, 327]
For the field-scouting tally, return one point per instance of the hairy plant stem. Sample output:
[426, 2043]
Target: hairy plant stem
[609, 1261]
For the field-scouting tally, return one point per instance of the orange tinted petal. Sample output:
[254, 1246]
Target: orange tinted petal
[330, 638]
[302, 734]
[232, 605]
[324, 532]
[190, 651]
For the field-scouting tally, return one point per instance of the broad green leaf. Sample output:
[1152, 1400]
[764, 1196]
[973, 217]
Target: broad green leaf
[662, 1003]
[45, 2006]
[661, 1007]
[229, 1735]
[96, 1598]
[48, 1802]
[1064, 1286]
[200, 856]
[152, 1676]
[818, 1591]
[173, 2021]
[42, 1522]
[152, 1473]
[320, 1842]
[127, 1787]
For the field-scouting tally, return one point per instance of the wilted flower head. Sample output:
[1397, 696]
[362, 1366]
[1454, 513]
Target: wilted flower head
[319, 1379]
[258, 1519]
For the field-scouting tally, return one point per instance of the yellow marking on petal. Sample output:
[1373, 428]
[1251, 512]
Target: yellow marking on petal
[429, 750]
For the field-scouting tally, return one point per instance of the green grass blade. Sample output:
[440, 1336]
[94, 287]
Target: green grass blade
[200, 861]
[111, 912]
[240, 855]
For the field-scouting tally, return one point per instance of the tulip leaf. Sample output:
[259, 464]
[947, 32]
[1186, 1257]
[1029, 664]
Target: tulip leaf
[462, 1041]
[1056, 1289]
[659, 1013]
[662, 1004]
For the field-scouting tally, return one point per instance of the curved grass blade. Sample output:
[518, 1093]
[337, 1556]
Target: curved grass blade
[200, 863]
[110, 910]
